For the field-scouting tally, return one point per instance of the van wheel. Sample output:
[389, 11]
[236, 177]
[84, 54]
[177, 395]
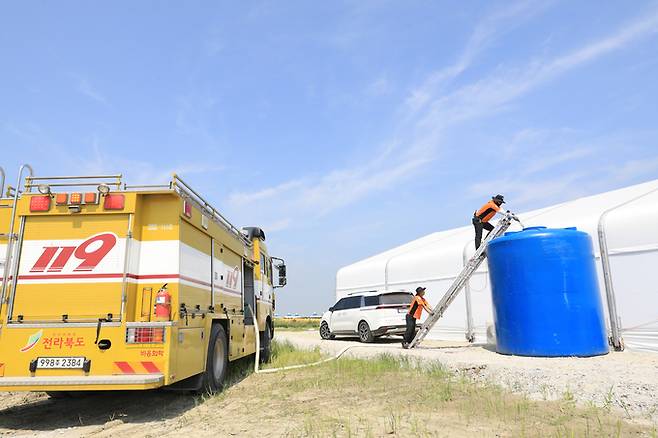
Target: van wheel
[325, 333]
[217, 363]
[266, 345]
[365, 335]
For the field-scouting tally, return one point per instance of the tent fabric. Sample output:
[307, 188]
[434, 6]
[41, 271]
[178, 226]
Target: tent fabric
[435, 260]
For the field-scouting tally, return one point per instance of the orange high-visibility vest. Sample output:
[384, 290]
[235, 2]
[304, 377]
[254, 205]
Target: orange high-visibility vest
[487, 211]
[416, 306]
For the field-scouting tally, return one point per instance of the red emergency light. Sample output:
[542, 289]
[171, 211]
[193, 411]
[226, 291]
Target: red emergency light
[40, 203]
[114, 202]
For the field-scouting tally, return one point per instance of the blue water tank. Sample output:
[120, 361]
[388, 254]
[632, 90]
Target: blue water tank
[546, 296]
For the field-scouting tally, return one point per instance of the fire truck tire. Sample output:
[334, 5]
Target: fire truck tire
[58, 394]
[266, 345]
[217, 364]
[68, 394]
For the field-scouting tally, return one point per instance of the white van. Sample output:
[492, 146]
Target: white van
[367, 314]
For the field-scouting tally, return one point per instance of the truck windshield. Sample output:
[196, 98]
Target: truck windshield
[395, 298]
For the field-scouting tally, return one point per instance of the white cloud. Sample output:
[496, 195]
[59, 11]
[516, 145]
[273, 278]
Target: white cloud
[636, 169]
[494, 92]
[139, 172]
[279, 225]
[485, 33]
[247, 197]
[543, 163]
[214, 43]
[379, 87]
[419, 137]
[86, 88]
[521, 191]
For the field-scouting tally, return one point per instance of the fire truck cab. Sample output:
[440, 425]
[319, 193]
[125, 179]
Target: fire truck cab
[107, 286]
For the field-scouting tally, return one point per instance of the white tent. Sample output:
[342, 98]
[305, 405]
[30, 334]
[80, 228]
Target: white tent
[626, 218]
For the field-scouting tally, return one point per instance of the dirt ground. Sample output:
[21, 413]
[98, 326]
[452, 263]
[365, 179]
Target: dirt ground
[259, 405]
[309, 402]
[627, 381]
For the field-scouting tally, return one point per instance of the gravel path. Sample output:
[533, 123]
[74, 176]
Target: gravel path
[626, 381]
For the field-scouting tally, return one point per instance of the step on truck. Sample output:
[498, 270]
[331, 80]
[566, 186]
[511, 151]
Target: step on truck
[107, 286]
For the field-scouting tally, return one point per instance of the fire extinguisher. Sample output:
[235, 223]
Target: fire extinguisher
[163, 304]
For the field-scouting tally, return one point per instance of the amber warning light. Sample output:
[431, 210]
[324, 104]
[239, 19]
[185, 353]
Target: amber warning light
[91, 198]
[61, 198]
[75, 199]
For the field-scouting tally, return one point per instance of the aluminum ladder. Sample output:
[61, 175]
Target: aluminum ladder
[469, 269]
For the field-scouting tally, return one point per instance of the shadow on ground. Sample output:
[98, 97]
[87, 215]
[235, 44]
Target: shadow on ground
[97, 408]
[382, 340]
[426, 345]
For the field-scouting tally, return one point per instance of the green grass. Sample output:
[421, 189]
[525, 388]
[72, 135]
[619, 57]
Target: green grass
[296, 323]
[397, 395]
[285, 354]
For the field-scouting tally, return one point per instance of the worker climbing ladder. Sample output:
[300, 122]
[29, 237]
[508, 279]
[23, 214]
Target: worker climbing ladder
[459, 283]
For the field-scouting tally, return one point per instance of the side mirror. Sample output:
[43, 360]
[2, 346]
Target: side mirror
[331, 309]
[281, 267]
[282, 275]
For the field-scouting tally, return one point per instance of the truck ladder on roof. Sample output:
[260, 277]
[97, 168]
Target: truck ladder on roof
[11, 236]
[459, 283]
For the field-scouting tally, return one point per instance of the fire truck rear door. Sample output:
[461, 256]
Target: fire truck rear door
[71, 268]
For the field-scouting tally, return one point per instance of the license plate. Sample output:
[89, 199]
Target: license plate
[60, 362]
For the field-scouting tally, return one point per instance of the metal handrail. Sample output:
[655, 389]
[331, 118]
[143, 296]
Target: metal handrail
[29, 182]
[43, 178]
[216, 216]
[12, 221]
[30, 186]
[2, 181]
[147, 186]
[615, 329]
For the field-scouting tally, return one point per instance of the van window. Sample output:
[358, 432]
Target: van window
[340, 305]
[396, 298]
[353, 302]
[371, 301]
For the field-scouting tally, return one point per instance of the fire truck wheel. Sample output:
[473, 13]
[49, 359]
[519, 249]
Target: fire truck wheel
[213, 378]
[365, 335]
[58, 394]
[266, 345]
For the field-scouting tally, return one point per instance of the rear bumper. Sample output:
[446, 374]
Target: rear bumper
[82, 383]
[390, 330]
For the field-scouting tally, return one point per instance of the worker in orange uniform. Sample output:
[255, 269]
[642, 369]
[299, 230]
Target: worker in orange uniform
[418, 303]
[482, 217]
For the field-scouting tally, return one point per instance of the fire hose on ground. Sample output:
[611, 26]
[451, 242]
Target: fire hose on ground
[257, 369]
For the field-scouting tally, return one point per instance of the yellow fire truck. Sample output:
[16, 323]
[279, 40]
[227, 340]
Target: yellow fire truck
[113, 287]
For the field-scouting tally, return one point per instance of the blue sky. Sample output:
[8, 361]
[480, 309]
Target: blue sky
[342, 128]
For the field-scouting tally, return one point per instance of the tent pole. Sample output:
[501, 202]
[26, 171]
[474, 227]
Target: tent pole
[470, 331]
[615, 325]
